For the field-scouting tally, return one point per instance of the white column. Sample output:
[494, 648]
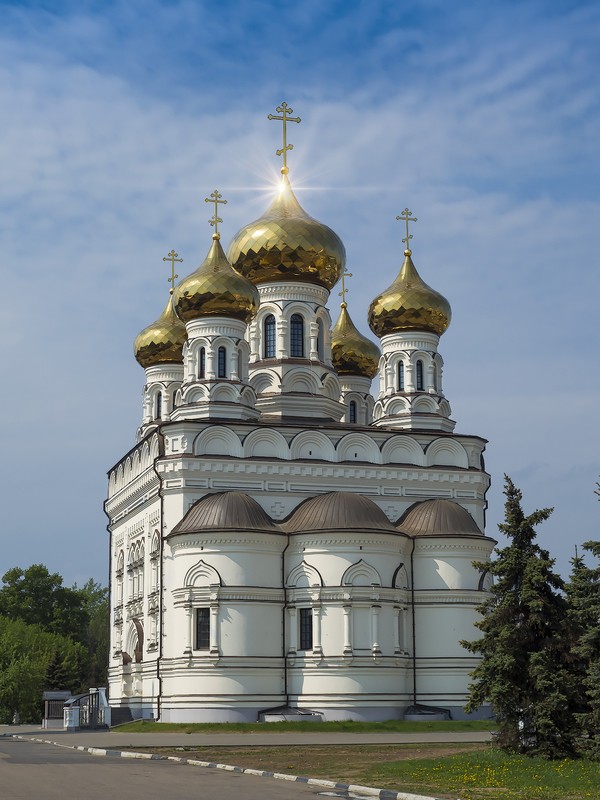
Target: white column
[375, 611]
[233, 366]
[210, 364]
[189, 624]
[389, 384]
[409, 384]
[397, 647]
[347, 636]
[282, 328]
[314, 336]
[316, 620]
[292, 630]
[254, 339]
[214, 629]
[404, 629]
[430, 378]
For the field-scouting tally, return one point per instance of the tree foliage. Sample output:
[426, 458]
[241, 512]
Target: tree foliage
[523, 670]
[583, 595]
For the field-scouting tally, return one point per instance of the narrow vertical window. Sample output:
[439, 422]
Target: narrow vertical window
[306, 629]
[401, 376]
[269, 337]
[297, 336]
[419, 376]
[352, 412]
[221, 363]
[174, 406]
[202, 629]
[158, 407]
[202, 363]
[321, 340]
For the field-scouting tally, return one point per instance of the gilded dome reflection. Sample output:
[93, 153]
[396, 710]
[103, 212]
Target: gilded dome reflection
[162, 342]
[286, 244]
[409, 304]
[352, 353]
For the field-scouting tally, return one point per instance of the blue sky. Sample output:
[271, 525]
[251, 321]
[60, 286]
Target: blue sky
[119, 118]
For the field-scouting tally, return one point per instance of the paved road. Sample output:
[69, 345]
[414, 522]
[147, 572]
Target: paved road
[29, 770]
[116, 740]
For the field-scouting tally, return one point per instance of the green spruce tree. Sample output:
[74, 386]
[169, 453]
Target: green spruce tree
[583, 596]
[524, 650]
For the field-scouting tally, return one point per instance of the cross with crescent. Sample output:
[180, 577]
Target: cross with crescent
[345, 274]
[406, 216]
[215, 197]
[172, 257]
[284, 110]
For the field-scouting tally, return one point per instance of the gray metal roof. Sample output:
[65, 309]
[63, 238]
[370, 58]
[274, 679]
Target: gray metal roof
[438, 518]
[338, 511]
[226, 511]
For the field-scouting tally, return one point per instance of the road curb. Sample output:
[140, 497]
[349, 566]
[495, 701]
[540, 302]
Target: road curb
[370, 791]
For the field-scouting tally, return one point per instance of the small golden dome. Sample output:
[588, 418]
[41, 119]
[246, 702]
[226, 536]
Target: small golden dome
[286, 244]
[215, 290]
[162, 342]
[352, 353]
[409, 304]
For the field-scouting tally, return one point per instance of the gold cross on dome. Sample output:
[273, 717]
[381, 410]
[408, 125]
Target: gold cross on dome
[172, 257]
[284, 110]
[215, 197]
[345, 274]
[406, 216]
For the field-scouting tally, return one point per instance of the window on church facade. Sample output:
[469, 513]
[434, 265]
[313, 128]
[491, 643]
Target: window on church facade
[306, 629]
[419, 376]
[401, 376]
[202, 363]
[352, 412]
[297, 336]
[202, 629]
[174, 405]
[269, 337]
[158, 406]
[221, 363]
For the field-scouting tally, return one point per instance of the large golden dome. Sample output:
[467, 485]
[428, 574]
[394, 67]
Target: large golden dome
[352, 353]
[162, 342]
[286, 244]
[409, 304]
[215, 290]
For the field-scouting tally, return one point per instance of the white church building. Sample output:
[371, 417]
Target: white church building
[280, 538]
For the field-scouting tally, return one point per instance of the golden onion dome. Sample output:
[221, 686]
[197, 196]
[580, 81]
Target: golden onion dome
[409, 304]
[352, 353]
[162, 342]
[286, 244]
[216, 290]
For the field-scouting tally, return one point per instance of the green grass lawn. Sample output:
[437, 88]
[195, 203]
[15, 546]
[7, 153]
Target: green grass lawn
[392, 726]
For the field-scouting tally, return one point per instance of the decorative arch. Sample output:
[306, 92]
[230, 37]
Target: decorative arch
[145, 456]
[154, 448]
[425, 405]
[119, 478]
[331, 387]
[400, 578]
[361, 574]
[224, 393]
[217, 441]
[402, 450]
[265, 382]
[247, 397]
[197, 393]
[358, 447]
[300, 380]
[447, 453]
[399, 405]
[155, 543]
[303, 576]
[312, 445]
[127, 471]
[202, 574]
[267, 444]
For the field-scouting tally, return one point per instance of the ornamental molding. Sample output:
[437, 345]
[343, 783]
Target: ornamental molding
[443, 597]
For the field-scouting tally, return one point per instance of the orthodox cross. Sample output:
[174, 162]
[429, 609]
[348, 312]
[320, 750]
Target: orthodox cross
[284, 110]
[215, 197]
[172, 257]
[345, 274]
[406, 216]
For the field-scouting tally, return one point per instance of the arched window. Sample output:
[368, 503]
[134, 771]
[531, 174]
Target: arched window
[297, 336]
[419, 376]
[158, 406]
[321, 340]
[221, 362]
[352, 412]
[174, 401]
[269, 337]
[202, 363]
[401, 376]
